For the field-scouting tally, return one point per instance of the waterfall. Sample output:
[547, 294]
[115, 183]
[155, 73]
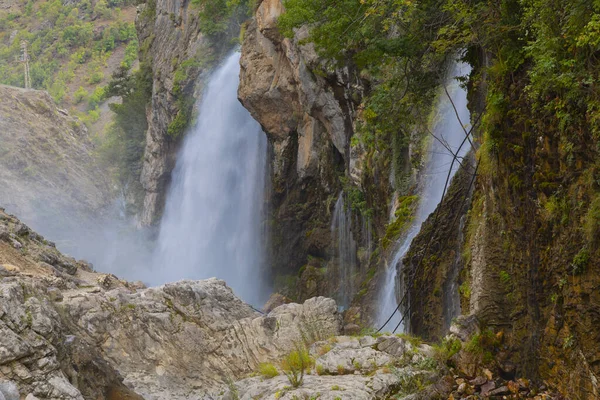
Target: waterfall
[445, 126]
[212, 220]
[345, 252]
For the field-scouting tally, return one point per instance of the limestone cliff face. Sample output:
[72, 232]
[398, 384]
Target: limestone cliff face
[308, 117]
[169, 33]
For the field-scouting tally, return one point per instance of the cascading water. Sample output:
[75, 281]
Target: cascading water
[212, 220]
[448, 129]
[345, 251]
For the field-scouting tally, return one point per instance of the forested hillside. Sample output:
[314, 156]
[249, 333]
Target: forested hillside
[73, 48]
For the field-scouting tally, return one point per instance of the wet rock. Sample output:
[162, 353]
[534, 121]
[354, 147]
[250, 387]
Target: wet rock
[507, 369]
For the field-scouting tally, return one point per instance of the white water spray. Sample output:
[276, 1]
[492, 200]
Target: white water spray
[212, 220]
[345, 251]
[446, 127]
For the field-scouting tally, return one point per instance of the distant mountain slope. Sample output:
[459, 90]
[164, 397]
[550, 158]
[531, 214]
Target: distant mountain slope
[46, 167]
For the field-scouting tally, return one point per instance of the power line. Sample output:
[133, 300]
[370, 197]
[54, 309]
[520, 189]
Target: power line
[455, 158]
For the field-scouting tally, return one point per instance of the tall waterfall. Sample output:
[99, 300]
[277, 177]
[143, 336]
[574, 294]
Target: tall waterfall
[212, 220]
[446, 127]
[345, 251]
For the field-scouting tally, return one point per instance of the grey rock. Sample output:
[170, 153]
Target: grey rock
[487, 387]
[465, 326]
[340, 360]
[393, 345]
[9, 390]
[54, 294]
[500, 391]
[16, 244]
[21, 230]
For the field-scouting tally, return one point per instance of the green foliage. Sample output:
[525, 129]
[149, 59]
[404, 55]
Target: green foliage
[504, 277]
[295, 364]
[580, 261]
[131, 54]
[221, 17]
[483, 344]
[413, 340]
[96, 97]
[63, 44]
[410, 383]
[286, 285]
[182, 91]
[390, 41]
[403, 214]
[465, 290]
[267, 370]
[123, 147]
[80, 95]
[446, 349]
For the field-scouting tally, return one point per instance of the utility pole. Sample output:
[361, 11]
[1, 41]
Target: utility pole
[25, 61]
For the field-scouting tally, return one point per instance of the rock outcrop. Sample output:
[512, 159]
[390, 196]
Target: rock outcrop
[71, 333]
[308, 117]
[47, 169]
[354, 368]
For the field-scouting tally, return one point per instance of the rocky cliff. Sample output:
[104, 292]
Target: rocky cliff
[169, 33]
[71, 333]
[527, 257]
[179, 55]
[47, 170]
[307, 110]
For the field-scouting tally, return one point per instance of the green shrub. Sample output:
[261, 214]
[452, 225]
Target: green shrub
[267, 370]
[580, 261]
[295, 365]
[80, 95]
[97, 97]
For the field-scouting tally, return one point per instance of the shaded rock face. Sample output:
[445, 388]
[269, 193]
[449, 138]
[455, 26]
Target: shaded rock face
[47, 170]
[433, 254]
[75, 334]
[521, 275]
[308, 120]
[170, 32]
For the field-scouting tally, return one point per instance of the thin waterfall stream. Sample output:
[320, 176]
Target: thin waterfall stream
[445, 126]
[212, 224]
[344, 251]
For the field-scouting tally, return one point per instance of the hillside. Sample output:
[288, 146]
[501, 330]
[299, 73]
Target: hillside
[74, 47]
[47, 171]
